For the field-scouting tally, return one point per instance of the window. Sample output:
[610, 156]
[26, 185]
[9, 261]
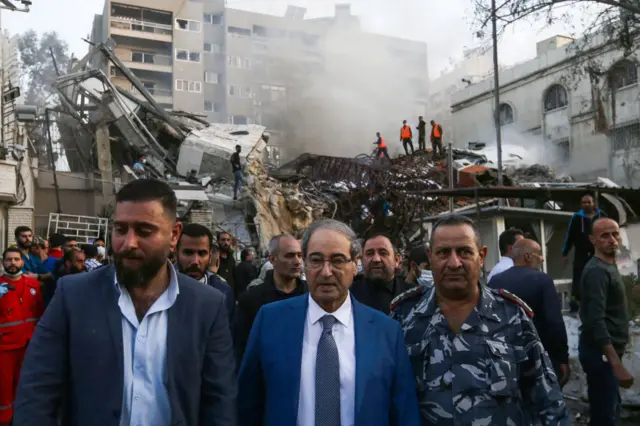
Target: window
[211, 77]
[185, 55]
[625, 138]
[213, 19]
[212, 48]
[187, 25]
[506, 114]
[238, 62]
[210, 106]
[239, 32]
[112, 71]
[146, 58]
[245, 92]
[623, 74]
[188, 86]
[563, 150]
[555, 98]
[233, 90]
[239, 119]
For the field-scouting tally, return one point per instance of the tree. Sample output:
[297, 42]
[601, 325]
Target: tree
[38, 66]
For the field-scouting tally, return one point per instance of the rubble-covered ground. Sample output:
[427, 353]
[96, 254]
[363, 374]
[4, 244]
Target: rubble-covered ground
[370, 196]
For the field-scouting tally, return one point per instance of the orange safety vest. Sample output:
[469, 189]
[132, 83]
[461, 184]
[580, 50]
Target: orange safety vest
[405, 132]
[20, 310]
[383, 144]
[436, 131]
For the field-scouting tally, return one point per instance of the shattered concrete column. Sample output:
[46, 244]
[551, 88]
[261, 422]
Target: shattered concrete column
[103, 145]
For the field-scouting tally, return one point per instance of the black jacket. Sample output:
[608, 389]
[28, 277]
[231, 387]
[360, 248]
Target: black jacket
[538, 291]
[578, 234]
[378, 296]
[252, 300]
[227, 269]
[245, 273]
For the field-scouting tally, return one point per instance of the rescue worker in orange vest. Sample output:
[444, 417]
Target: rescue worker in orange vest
[405, 137]
[436, 139]
[381, 152]
[21, 306]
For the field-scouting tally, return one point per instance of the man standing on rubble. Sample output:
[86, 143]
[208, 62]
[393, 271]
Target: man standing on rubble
[422, 134]
[380, 284]
[382, 151]
[236, 167]
[405, 137]
[436, 139]
[577, 238]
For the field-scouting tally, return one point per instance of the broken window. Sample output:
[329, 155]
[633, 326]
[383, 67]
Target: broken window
[555, 98]
[625, 138]
[194, 56]
[506, 114]
[239, 32]
[209, 106]
[238, 119]
[623, 74]
[182, 55]
[187, 25]
[233, 90]
[181, 85]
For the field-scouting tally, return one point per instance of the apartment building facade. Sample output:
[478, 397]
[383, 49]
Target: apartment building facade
[237, 66]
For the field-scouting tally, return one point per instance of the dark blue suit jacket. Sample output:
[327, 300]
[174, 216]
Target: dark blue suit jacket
[269, 380]
[76, 357]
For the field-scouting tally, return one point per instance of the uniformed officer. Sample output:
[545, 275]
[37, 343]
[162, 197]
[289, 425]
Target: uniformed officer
[474, 351]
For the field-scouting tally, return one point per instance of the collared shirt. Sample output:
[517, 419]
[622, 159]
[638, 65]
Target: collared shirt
[145, 396]
[91, 264]
[344, 335]
[32, 264]
[504, 264]
[494, 371]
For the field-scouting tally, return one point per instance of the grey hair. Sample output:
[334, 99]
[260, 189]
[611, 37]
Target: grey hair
[456, 220]
[274, 243]
[333, 225]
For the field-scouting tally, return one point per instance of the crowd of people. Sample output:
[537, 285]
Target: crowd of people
[167, 328]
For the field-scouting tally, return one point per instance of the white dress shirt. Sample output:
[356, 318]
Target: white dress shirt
[343, 333]
[504, 264]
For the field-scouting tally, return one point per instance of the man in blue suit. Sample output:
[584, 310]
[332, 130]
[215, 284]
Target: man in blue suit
[324, 358]
[135, 343]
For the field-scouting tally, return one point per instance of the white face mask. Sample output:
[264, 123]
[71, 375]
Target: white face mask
[102, 252]
[16, 275]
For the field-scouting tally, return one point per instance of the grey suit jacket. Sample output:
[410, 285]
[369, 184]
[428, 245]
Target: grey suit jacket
[74, 363]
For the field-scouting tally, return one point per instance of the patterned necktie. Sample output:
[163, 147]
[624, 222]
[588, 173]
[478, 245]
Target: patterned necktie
[327, 377]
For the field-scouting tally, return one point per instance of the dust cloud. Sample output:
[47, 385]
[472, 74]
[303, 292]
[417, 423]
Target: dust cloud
[365, 83]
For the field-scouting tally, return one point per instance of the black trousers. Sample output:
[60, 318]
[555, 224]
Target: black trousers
[405, 142]
[422, 145]
[436, 146]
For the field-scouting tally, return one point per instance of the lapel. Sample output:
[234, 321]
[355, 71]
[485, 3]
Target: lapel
[294, 321]
[175, 328]
[366, 341]
[114, 316]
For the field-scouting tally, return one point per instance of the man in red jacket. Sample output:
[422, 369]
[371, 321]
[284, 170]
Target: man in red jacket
[21, 307]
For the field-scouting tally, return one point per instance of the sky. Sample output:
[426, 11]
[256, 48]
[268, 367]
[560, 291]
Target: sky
[445, 25]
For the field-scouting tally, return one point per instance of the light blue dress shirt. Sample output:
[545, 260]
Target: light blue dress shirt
[145, 396]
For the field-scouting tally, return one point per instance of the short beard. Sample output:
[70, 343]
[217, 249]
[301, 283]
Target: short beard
[140, 277]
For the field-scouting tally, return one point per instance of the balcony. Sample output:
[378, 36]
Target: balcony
[141, 29]
[147, 61]
[8, 184]
[160, 95]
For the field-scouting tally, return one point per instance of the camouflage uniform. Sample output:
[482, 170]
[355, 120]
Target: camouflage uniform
[494, 372]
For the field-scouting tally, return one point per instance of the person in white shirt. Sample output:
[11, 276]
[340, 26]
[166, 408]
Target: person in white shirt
[505, 242]
[323, 358]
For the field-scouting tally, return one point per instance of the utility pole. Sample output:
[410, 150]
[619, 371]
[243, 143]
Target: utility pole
[496, 90]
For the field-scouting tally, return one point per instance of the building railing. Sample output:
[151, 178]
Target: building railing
[155, 91]
[151, 58]
[142, 26]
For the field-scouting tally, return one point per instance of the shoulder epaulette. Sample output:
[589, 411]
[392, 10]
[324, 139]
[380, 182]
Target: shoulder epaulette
[407, 295]
[515, 299]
